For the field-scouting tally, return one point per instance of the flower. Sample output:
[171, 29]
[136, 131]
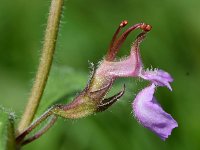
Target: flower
[146, 109]
[92, 98]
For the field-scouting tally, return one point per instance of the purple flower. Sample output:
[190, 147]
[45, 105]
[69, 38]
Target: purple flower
[92, 98]
[150, 114]
[146, 109]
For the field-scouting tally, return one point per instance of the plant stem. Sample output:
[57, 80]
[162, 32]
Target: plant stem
[41, 132]
[43, 117]
[45, 64]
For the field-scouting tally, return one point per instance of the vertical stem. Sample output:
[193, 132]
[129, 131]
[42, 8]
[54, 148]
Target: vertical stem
[45, 64]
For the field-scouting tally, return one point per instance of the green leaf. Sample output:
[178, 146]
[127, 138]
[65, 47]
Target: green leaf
[63, 84]
[7, 136]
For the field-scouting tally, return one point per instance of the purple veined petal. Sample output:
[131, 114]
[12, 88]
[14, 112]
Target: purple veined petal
[150, 114]
[158, 77]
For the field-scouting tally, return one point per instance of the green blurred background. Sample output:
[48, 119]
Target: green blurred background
[86, 30]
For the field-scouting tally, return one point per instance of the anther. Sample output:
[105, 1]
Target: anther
[145, 27]
[123, 23]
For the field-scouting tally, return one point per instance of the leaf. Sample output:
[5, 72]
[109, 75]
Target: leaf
[7, 136]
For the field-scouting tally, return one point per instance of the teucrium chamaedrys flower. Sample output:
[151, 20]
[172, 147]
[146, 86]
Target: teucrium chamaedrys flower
[147, 111]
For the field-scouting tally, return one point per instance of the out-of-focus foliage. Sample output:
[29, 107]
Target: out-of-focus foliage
[85, 33]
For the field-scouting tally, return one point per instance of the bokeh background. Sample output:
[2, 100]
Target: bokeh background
[86, 30]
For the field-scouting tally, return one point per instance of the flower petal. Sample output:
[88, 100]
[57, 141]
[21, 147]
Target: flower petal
[125, 68]
[150, 114]
[158, 77]
[128, 67]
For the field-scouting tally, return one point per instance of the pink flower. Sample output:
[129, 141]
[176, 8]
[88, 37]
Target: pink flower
[146, 109]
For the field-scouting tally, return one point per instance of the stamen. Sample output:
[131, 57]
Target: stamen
[117, 43]
[121, 25]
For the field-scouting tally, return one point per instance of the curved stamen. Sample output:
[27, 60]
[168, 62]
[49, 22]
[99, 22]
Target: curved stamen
[121, 25]
[117, 44]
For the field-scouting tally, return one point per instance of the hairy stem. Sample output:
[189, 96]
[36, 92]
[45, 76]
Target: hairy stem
[44, 65]
[29, 129]
[41, 132]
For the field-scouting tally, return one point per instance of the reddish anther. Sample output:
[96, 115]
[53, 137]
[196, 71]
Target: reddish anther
[145, 27]
[123, 23]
